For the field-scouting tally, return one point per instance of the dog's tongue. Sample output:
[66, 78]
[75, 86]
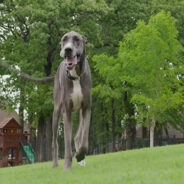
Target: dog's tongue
[71, 62]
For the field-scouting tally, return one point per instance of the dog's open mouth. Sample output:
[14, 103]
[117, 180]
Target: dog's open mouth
[71, 62]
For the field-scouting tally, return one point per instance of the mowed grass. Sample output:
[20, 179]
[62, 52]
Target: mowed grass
[162, 165]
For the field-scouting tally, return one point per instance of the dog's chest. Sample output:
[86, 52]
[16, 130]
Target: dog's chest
[76, 95]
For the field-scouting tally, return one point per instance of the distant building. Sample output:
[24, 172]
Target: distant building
[4, 115]
[12, 141]
[168, 132]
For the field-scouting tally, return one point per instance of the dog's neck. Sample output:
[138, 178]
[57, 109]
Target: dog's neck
[71, 76]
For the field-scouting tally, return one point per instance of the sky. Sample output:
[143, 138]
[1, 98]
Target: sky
[8, 92]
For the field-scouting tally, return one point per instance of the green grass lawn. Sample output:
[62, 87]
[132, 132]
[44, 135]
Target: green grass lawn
[149, 166]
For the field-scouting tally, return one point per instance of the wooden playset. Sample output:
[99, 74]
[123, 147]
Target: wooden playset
[12, 142]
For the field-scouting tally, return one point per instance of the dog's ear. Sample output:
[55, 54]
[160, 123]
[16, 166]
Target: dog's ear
[61, 42]
[84, 39]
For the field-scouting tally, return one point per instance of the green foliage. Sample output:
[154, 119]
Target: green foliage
[149, 55]
[31, 40]
[146, 65]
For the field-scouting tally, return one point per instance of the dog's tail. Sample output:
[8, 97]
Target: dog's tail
[25, 75]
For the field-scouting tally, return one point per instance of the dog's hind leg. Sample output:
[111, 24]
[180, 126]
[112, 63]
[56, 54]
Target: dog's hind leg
[67, 117]
[55, 123]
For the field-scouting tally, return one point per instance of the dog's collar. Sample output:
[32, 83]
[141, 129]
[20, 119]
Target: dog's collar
[71, 77]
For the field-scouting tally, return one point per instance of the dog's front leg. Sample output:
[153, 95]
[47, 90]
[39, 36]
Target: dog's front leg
[67, 117]
[86, 115]
[78, 136]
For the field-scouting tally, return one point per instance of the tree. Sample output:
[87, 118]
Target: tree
[149, 55]
[121, 18]
[31, 32]
[146, 68]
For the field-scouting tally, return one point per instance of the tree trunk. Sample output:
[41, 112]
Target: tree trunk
[152, 128]
[113, 124]
[32, 132]
[26, 76]
[93, 133]
[130, 124]
[30, 121]
[107, 135]
[40, 141]
[130, 135]
[48, 139]
[44, 146]
[103, 144]
[21, 110]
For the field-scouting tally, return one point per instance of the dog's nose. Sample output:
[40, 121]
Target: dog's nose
[68, 50]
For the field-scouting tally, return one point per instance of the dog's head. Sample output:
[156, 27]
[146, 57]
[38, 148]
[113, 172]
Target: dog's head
[72, 48]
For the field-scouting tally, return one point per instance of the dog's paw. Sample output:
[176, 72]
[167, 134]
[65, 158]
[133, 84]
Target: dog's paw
[82, 163]
[80, 155]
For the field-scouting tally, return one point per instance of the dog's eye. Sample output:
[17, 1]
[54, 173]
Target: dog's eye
[76, 39]
[65, 39]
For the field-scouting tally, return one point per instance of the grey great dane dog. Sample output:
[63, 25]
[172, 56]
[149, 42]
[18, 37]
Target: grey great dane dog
[72, 85]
